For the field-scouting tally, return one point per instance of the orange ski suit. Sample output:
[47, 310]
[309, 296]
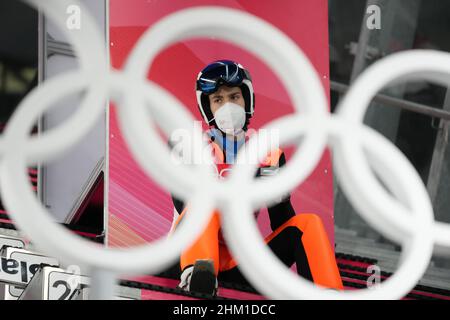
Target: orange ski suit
[320, 258]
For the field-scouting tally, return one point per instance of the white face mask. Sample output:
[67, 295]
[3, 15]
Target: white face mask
[230, 118]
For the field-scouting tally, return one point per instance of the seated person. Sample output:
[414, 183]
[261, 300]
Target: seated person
[226, 101]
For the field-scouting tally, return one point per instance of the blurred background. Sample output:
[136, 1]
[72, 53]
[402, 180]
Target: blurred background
[405, 114]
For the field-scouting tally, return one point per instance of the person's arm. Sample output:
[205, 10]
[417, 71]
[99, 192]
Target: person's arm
[282, 211]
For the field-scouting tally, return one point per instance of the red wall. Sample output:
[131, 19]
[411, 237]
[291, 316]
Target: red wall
[139, 210]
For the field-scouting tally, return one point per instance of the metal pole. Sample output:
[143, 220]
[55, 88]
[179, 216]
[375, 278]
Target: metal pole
[438, 160]
[103, 285]
[399, 103]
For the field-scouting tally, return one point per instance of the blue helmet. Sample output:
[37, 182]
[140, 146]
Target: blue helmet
[223, 72]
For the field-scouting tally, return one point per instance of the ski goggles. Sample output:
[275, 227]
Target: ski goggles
[221, 73]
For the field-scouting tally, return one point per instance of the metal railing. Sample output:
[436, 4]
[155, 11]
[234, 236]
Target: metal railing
[398, 103]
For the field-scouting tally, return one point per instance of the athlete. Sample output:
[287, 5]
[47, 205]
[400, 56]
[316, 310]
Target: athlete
[226, 101]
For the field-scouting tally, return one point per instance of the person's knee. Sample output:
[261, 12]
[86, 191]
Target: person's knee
[314, 218]
[293, 233]
[305, 221]
[307, 218]
[214, 222]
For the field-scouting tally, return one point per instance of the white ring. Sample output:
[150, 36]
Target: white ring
[424, 64]
[257, 262]
[250, 32]
[20, 200]
[88, 47]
